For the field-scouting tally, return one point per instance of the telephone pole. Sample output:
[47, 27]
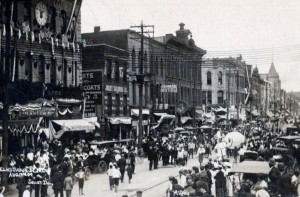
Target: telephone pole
[228, 95]
[140, 80]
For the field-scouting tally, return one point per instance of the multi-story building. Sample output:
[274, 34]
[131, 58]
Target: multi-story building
[167, 60]
[105, 67]
[45, 63]
[224, 81]
[274, 99]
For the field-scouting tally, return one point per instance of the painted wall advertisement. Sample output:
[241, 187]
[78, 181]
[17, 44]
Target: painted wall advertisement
[92, 87]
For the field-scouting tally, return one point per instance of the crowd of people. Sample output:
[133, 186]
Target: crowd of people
[58, 166]
[214, 177]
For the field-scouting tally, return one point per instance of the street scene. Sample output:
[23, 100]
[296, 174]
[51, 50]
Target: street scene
[139, 98]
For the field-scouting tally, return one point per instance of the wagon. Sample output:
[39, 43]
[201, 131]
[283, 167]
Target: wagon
[99, 163]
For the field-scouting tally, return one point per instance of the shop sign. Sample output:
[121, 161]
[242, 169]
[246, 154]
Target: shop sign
[43, 112]
[169, 88]
[112, 88]
[92, 87]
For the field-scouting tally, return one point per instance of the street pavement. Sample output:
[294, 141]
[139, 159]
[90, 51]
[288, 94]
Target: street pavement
[153, 183]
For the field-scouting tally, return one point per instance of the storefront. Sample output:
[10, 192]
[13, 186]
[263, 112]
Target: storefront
[145, 122]
[120, 128]
[75, 129]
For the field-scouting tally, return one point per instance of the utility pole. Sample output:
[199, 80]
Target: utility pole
[266, 106]
[6, 82]
[228, 95]
[274, 103]
[251, 96]
[140, 80]
[237, 96]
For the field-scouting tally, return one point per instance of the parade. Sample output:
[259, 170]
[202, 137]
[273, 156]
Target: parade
[152, 98]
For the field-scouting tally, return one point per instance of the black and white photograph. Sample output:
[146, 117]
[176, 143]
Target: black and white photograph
[150, 98]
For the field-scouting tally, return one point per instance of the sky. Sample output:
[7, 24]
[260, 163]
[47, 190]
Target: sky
[262, 31]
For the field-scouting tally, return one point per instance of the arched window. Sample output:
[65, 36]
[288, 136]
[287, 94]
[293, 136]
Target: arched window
[220, 78]
[208, 78]
[220, 97]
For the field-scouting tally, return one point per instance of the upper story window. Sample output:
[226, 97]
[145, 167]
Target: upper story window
[208, 78]
[220, 78]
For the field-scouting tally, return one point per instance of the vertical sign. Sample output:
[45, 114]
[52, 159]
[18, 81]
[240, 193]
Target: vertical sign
[92, 87]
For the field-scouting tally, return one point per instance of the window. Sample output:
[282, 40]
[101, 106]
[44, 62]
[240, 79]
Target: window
[204, 97]
[220, 97]
[208, 78]
[133, 92]
[220, 78]
[117, 71]
[108, 69]
[124, 70]
[209, 97]
[161, 67]
[125, 105]
[117, 104]
[109, 104]
[53, 71]
[41, 68]
[133, 60]
[28, 65]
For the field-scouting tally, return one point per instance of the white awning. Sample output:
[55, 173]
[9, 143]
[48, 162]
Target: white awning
[184, 119]
[93, 121]
[120, 120]
[74, 125]
[160, 114]
[135, 112]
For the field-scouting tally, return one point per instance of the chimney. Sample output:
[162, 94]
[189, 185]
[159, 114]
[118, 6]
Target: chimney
[96, 29]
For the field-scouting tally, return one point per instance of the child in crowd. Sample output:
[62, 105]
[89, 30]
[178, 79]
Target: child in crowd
[110, 177]
[80, 175]
[129, 172]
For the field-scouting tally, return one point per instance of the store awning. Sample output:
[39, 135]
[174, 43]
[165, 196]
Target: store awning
[120, 120]
[135, 112]
[160, 114]
[184, 119]
[74, 125]
[93, 121]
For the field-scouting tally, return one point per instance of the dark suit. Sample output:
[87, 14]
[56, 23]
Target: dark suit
[284, 185]
[122, 166]
[273, 176]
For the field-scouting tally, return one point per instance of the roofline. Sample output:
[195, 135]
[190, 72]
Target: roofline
[95, 45]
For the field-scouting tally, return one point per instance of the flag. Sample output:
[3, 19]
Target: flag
[44, 89]
[4, 30]
[113, 71]
[32, 36]
[121, 72]
[105, 68]
[19, 33]
[52, 44]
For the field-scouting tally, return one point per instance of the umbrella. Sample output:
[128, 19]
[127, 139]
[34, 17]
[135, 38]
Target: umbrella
[178, 129]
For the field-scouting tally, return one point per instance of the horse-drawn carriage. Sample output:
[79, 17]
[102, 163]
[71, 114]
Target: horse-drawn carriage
[99, 162]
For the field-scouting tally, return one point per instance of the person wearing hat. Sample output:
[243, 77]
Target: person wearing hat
[122, 166]
[68, 184]
[58, 183]
[284, 183]
[189, 190]
[116, 175]
[220, 183]
[273, 175]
